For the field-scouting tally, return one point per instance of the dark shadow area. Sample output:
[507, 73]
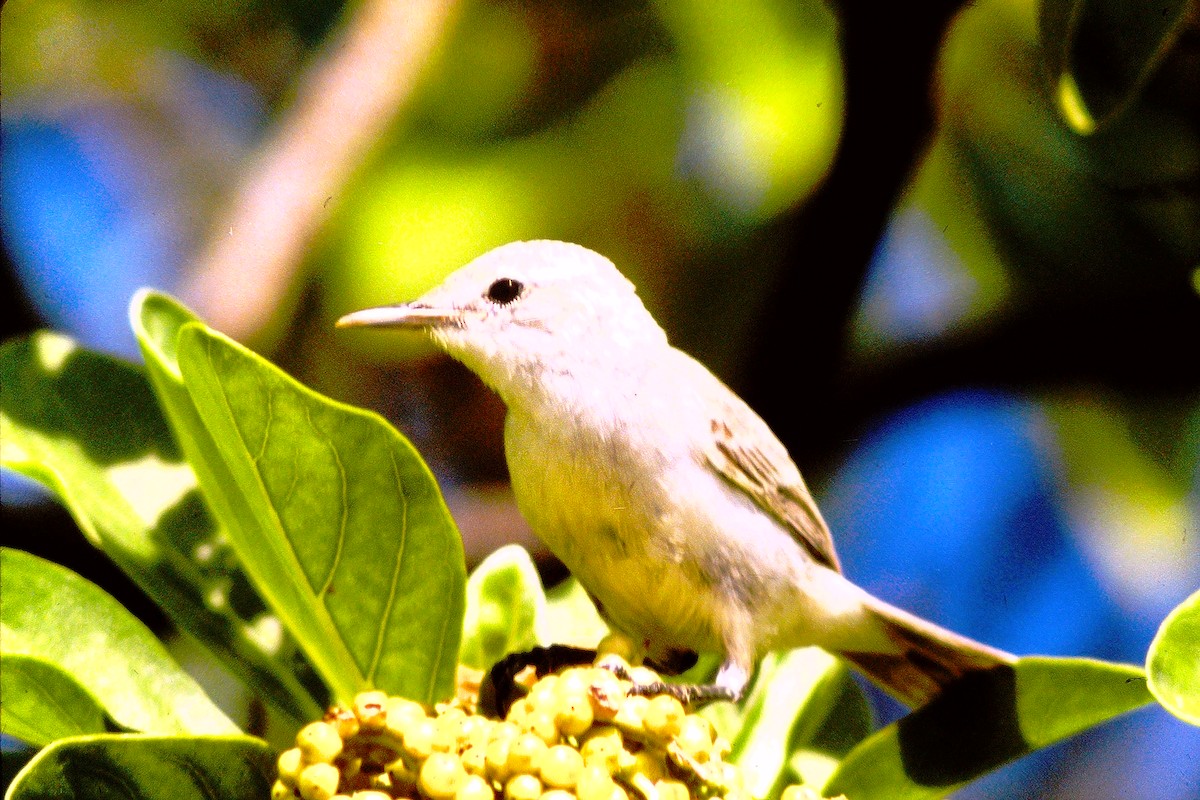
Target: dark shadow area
[969, 730]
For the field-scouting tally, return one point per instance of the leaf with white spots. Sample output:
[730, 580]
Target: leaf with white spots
[88, 427]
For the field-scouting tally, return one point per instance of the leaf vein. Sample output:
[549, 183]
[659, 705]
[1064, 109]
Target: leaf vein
[440, 651]
[341, 539]
[385, 619]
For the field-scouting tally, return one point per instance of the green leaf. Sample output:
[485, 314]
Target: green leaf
[571, 617]
[791, 699]
[337, 520]
[985, 721]
[89, 428]
[1173, 661]
[835, 718]
[505, 602]
[134, 767]
[50, 613]
[1100, 54]
[43, 703]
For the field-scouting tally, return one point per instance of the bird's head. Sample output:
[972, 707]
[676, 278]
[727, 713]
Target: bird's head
[526, 309]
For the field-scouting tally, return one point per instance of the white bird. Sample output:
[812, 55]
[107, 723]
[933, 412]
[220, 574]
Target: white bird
[670, 500]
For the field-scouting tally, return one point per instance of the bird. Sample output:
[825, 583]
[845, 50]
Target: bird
[667, 497]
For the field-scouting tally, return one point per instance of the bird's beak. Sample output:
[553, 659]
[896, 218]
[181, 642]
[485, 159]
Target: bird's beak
[404, 315]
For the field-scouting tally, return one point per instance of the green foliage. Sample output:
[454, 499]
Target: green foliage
[271, 522]
[90, 428]
[983, 723]
[337, 520]
[1172, 665]
[42, 702]
[137, 767]
[505, 602]
[51, 614]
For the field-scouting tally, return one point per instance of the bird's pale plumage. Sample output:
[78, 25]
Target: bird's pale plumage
[670, 500]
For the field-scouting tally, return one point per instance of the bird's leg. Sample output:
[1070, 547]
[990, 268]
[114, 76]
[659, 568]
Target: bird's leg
[499, 690]
[730, 684]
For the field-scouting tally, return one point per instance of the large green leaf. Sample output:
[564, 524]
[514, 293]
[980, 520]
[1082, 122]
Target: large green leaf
[43, 703]
[505, 602]
[1100, 54]
[985, 721]
[134, 767]
[89, 428]
[1173, 661]
[338, 521]
[50, 613]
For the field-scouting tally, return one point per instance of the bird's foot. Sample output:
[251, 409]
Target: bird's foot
[687, 693]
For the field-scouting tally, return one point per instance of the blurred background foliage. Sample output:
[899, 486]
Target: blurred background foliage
[951, 254]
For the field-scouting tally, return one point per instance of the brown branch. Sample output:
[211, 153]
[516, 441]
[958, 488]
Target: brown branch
[348, 98]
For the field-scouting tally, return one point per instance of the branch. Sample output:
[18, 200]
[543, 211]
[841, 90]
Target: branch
[349, 97]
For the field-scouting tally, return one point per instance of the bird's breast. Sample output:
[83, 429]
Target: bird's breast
[598, 503]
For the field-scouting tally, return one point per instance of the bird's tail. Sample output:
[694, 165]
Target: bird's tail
[927, 660]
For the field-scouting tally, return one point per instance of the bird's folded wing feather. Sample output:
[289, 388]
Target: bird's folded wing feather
[747, 454]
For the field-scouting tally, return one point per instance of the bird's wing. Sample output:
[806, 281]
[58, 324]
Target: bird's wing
[747, 454]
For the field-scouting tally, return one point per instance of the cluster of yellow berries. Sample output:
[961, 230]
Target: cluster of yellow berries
[577, 735]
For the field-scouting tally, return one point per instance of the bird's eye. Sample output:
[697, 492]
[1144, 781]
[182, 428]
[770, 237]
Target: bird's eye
[504, 291]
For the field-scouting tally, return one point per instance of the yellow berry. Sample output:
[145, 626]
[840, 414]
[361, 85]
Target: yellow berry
[631, 715]
[281, 791]
[560, 766]
[518, 711]
[603, 747]
[474, 731]
[523, 787]
[541, 724]
[664, 716]
[738, 794]
[318, 781]
[594, 783]
[475, 788]
[370, 794]
[618, 793]
[525, 753]
[606, 694]
[319, 742]
[371, 710]
[401, 712]
[496, 757]
[574, 715]
[503, 730]
[449, 733]
[441, 776]
[557, 794]
[290, 763]
[474, 759]
[695, 737]
[419, 739]
[542, 697]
